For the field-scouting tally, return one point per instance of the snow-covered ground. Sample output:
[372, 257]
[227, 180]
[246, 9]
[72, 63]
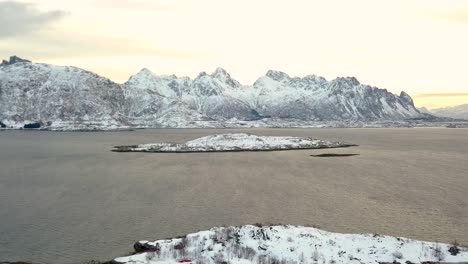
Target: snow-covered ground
[173, 120]
[290, 244]
[234, 142]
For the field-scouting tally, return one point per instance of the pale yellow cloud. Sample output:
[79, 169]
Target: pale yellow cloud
[451, 11]
[52, 46]
[132, 4]
[438, 100]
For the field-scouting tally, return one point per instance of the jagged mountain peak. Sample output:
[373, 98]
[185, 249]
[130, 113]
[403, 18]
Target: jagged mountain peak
[223, 76]
[277, 75]
[146, 74]
[313, 77]
[347, 80]
[201, 74]
[406, 97]
[143, 75]
[145, 71]
[220, 72]
[215, 83]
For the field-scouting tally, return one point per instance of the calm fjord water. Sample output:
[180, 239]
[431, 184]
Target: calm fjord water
[65, 198]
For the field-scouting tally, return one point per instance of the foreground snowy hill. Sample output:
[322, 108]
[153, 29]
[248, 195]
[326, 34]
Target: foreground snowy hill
[60, 96]
[290, 244]
[235, 142]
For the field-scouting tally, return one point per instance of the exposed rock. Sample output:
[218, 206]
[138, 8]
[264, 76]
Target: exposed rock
[33, 125]
[13, 60]
[144, 246]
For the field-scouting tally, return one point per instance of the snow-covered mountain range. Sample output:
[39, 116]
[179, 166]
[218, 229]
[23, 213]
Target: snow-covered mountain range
[59, 96]
[458, 112]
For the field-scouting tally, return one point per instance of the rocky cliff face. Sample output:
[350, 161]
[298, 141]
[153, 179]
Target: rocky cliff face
[42, 93]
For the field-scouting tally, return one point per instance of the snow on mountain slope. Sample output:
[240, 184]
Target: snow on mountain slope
[216, 95]
[314, 98]
[149, 99]
[459, 111]
[42, 93]
[48, 94]
[178, 114]
[281, 96]
[147, 94]
[290, 244]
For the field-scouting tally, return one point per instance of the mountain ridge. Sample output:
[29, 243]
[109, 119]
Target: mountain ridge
[457, 111]
[217, 97]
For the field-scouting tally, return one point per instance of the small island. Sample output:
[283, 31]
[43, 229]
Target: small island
[235, 142]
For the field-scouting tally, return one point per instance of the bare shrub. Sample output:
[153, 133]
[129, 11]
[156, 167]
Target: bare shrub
[219, 258]
[262, 259]
[454, 250]
[202, 260]
[258, 225]
[315, 255]
[302, 259]
[179, 246]
[185, 241]
[438, 253]
[243, 252]
[183, 244]
[273, 260]
[225, 234]
[397, 255]
[175, 254]
[231, 232]
[150, 256]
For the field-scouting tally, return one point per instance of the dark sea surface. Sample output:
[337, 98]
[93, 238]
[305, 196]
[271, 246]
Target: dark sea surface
[65, 198]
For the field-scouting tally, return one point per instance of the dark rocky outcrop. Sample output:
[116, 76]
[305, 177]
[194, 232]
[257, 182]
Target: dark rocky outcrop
[33, 125]
[145, 247]
[13, 60]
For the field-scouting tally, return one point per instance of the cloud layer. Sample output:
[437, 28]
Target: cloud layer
[19, 18]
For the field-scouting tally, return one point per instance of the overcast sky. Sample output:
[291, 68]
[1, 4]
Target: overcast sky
[420, 46]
